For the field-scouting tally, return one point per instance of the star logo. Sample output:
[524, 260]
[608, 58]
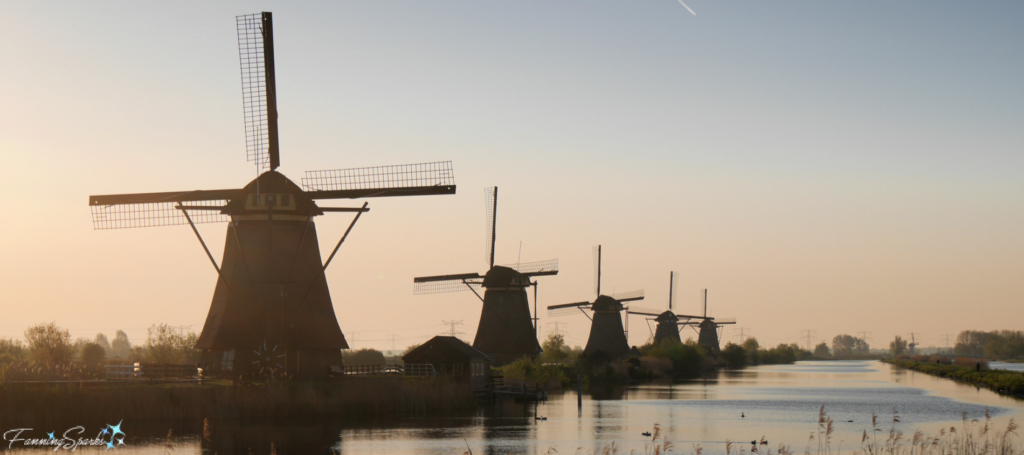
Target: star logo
[116, 429]
[50, 434]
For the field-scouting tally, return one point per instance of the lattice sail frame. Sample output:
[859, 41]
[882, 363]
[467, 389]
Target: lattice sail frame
[530, 268]
[153, 214]
[438, 173]
[254, 89]
[440, 287]
[569, 311]
[628, 296]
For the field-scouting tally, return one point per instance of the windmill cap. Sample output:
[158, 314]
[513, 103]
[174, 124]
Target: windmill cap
[503, 277]
[273, 182]
[605, 303]
[667, 316]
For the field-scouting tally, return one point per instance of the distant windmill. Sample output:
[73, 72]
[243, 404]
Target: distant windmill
[608, 336]
[913, 344]
[505, 332]
[668, 322]
[710, 327]
[271, 308]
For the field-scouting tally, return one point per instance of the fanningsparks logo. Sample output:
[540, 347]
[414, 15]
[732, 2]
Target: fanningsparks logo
[111, 436]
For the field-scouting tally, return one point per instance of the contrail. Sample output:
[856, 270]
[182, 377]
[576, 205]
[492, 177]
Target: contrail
[687, 7]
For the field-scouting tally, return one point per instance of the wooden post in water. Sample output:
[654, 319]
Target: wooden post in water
[579, 391]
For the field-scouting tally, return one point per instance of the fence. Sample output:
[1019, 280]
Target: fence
[412, 369]
[151, 371]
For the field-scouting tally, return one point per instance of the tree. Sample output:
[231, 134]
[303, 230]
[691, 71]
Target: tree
[734, 355]
[898, 346]
[49, 344]
[165, 344]
[11, 351]
[93, 354]
[821, 350]
[555, 349]
[121, 347]
[101, 340]
[363, 357]
[843, 345]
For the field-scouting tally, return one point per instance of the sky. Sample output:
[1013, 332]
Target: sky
[839, 167]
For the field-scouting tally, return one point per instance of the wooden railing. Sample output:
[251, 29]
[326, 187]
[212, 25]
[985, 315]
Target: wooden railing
[151, 371]
[412, 369]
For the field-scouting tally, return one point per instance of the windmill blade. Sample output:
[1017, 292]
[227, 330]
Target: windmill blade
[445, 286]
[567, 309]
[421, 179]
[644, 311]
[597, 270]
[673, 286]
[629, 296]
[725, 321]
[569, 305]
[123, 211]
[259, 91]
[457, 277]
[536, 268]
[690, 317]
[490, 223]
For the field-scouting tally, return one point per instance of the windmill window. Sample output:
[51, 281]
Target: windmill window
[286, 199]
[227, 360]
[255, 200]
[271, 200]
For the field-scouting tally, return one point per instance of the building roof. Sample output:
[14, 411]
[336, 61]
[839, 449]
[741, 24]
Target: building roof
[451, 342]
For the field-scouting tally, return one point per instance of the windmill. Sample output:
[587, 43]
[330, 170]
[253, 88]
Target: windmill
[608, 336]
[710, 327]
[506, 331]
[913, 344]
[668, 323]
[271, 309]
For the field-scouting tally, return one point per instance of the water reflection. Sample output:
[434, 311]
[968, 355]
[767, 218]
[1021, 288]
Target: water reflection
[780, 403]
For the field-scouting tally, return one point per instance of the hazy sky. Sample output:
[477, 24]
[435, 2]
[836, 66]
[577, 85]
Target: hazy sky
[840, 166]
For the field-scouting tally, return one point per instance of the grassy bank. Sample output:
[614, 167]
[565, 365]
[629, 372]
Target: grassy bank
[1002, 381]
[362, 399]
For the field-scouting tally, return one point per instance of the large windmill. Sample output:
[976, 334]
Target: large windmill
[710, 328]
[271, 309]
[668, 323]
[506, 331]
[608, 336]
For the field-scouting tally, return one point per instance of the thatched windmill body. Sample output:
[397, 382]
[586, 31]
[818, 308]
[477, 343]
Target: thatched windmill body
[608, 335]
[272, 311]
[506, 331]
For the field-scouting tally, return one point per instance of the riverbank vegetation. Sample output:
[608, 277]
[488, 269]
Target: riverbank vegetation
[967, 370]
[995, 345]
[49, 353]
[356, 398]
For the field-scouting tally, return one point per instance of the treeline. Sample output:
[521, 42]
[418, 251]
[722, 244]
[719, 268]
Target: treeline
[49, 353]
[559, 363]
[750, 352]
[997, 344]
[843, 346]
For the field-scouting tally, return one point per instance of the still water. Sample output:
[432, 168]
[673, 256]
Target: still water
[779, 403]
[1006, 366]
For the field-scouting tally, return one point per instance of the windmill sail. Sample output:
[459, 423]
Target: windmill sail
[122, 211]
[490, 220]
[421, 179]
[536, 268]
[629, 296]
[259, 92]
[446, 283]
